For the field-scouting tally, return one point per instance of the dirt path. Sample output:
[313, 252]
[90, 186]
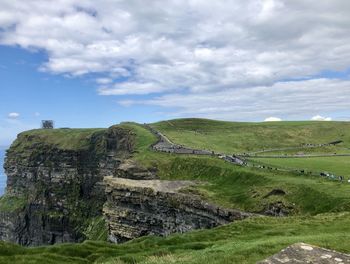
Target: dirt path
[164, 144]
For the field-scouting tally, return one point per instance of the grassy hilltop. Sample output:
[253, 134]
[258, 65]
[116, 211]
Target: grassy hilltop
[319, 208]
[338, 165]
[239, 137]
[63, 138]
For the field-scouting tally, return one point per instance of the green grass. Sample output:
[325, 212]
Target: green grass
[143, 140]
[245, 241]
[338, 149]
[10, 203]
[242, 188]
[97, 229]
[338, 165]
[239, 137]
[67, 139]
[233, 137]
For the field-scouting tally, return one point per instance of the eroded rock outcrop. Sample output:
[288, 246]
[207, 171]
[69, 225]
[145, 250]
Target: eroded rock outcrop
[152, 207]
[130, 169]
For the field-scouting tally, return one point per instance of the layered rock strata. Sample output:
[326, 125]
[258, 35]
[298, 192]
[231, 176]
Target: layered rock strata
[53, 190]
[153, 207]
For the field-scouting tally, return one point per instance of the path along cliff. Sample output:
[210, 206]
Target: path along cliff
[164, 144]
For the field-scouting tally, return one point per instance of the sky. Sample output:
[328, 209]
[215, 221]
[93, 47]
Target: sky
[95, 64]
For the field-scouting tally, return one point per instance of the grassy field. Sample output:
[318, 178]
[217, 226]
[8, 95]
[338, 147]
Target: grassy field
[234, 137]
[68, 139]
[337, 165]
[241, 242]
[238, 137]
[338, 149]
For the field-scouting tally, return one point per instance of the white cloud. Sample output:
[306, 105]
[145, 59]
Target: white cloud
[321, 118]
[292, 99]
[131, 88]
[13, 115]
[104, 80]
[189, 49]
[36, 114]
[272, 119]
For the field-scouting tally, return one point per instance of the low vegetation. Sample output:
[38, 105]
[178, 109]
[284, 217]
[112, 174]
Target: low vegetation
[10, 203]
[67, 139]
[337, 165]
[96, 229]
[239, 137]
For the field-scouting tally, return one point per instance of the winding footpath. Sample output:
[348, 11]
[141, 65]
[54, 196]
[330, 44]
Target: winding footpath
[164, 144]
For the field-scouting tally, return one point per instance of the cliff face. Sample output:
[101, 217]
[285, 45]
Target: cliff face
[55, 188]
[65, 185]
[151, 207]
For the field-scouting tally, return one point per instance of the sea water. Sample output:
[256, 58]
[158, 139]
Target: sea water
[2, 173]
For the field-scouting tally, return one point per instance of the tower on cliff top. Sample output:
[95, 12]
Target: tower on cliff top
[47, 124]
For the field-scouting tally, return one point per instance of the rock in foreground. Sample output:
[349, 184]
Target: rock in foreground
[304, 253]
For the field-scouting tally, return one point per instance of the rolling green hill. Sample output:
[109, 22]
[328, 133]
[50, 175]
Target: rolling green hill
[275, 138]
[239, 137]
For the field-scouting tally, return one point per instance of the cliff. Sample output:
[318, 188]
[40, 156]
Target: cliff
[152, 207]
[67, 185]
[54, 188]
